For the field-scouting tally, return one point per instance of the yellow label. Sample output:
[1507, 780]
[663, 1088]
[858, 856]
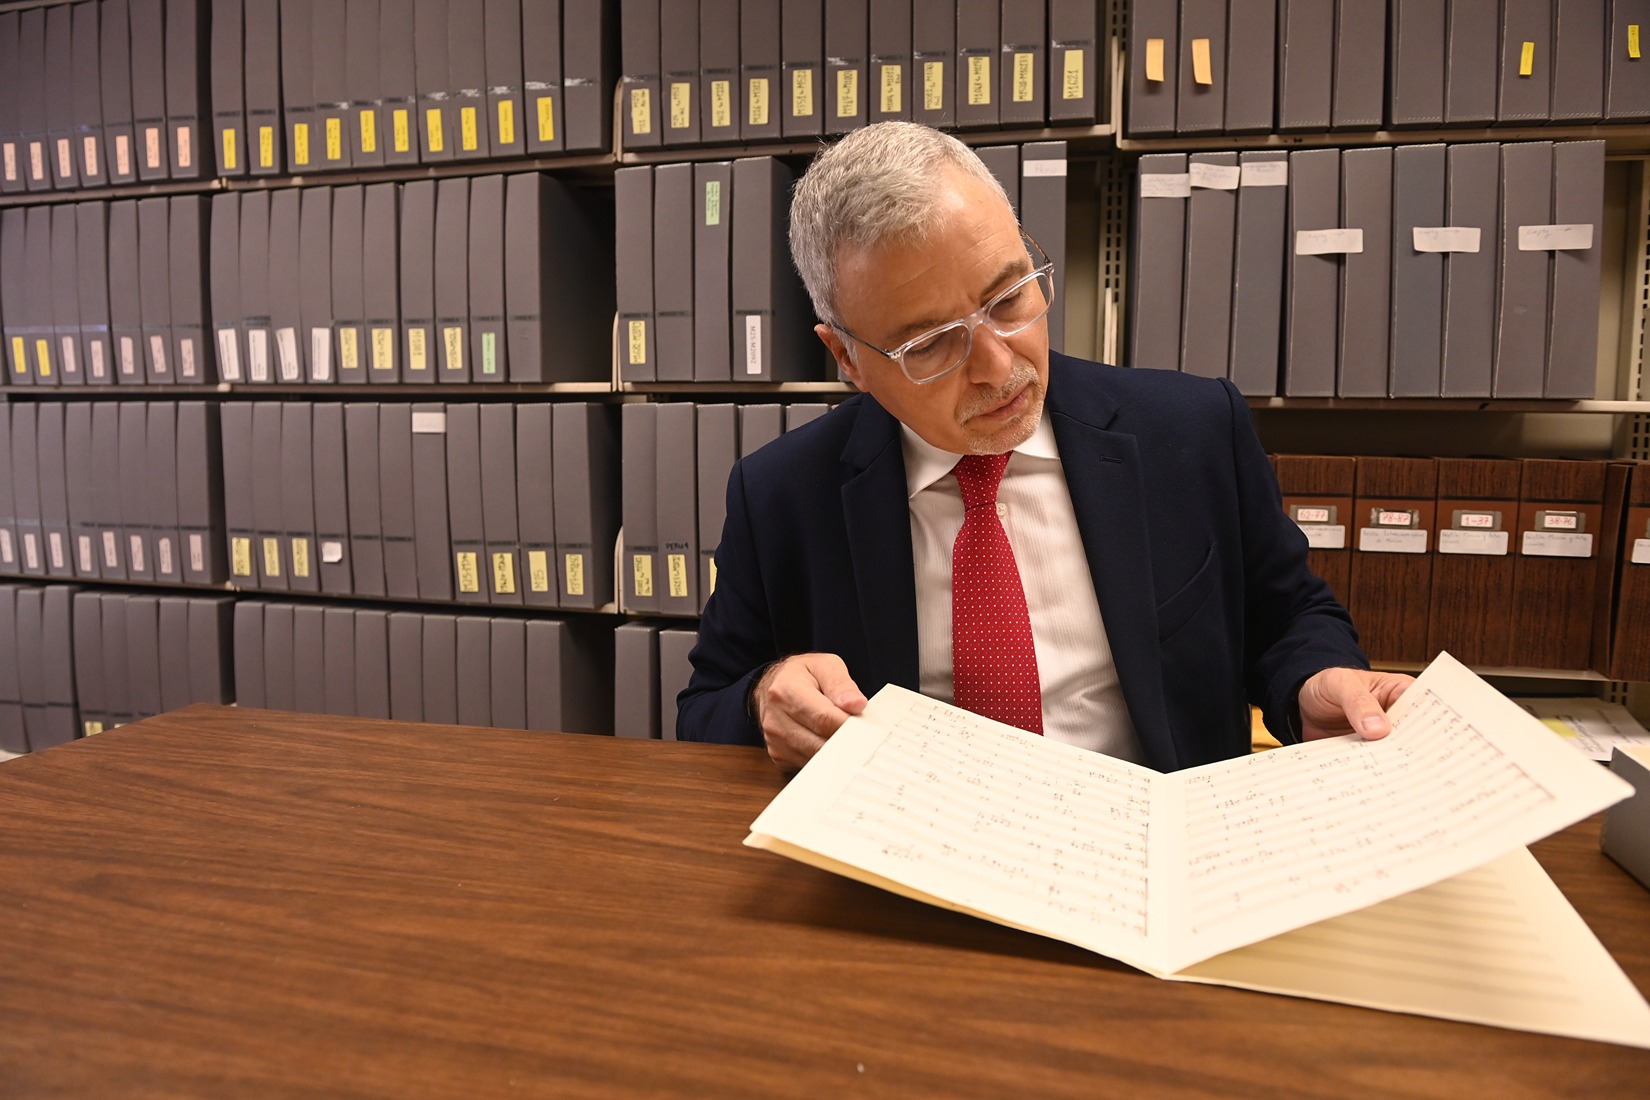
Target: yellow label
[432, 123]
[1633, 41]
[677, 565]
[19, 355]
[891, 89]
[538, 570]
[758, 112]
[575, 574]
[469, 578]
[712, 576]
[1154, 60]
[93, 728]
[467, 135]
[240, 556]
[300, 143]
[1071, 82]
[417, 353]
[641, 103]
[300, 557]
[453, 339]
[721, 103]
[504, 574]
[1526, 59]
[349, 353]
[847, 93]
[266, 147]
[979, 81]
[1202, 64]
[681, 105]
[369, 130]
[272, 557]
[802, 93]
[335, 139]
[641, 574]
[383, 349]
[933, 85]
[401, 130]
[43, 357]
[229, 150]
[1025, 69]
[638, 342]
[506, 122]
[547, 119]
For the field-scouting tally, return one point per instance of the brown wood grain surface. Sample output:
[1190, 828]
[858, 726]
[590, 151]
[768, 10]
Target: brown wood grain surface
[233, 903]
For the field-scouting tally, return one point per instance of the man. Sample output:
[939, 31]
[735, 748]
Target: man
[1146, 543]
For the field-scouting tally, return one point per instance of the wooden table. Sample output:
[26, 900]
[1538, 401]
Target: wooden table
[226, 903]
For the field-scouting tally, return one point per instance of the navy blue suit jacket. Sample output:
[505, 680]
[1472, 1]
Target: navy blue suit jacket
[1202, 580]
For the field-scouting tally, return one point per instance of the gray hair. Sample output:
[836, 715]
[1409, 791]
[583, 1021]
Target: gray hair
[876, 184]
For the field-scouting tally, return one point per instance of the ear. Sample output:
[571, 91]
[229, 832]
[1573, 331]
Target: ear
[839, 351]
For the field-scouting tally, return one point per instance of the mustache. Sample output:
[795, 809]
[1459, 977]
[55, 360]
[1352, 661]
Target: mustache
[1023, 375]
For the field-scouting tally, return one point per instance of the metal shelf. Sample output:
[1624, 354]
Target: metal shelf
[1450, 404]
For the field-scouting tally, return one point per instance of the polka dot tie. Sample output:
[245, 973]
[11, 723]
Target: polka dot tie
[993, 661]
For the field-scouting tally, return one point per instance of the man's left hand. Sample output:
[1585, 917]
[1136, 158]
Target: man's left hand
[1348, 700]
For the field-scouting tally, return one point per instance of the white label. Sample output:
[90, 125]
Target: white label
[1641, 552]
[185, 152]
[99, 369]
[1446, 238]
[1560, 521]
[429, 423]
[11, 161]
[1396, 519]
[753, 343]
[332, 551]
[111, 552]
[151, 146]
[1265, 173]
[69, 364]
[91, 155]
[54, 547]
[7, 553]
[37, 161]
[87, 564]
[197, 554]
[31, 553]
[137, 553]
[1043, 167]
[1385, 540]
[186, 358]
[1556, 544]
[123, 154]
[1217, 177]
[163, 556]
[320, 354]
[257, 355]
[1488, 543]
[1312, 515]
[128, 357]
[229, 355]
[65, 157]
[286, 351]
[1483, 521]
[157, 352]
[1325, 536]
[1328, 242]
[1548, 238]
[1166, 185]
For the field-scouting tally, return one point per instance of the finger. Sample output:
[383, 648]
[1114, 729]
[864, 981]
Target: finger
[835, 683]
[1366, 717]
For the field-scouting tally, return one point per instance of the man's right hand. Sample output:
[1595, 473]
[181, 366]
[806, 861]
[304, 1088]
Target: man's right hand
[801, 701]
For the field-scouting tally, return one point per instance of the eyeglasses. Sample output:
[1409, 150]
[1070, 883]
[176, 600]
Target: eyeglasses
[937, 352]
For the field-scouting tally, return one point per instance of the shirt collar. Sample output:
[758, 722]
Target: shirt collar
[925, 463]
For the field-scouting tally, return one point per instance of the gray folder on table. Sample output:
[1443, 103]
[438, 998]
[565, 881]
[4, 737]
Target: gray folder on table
[639, 73]
[435, 122]
[589, 71]
[338, 660]
[88, 94]
[332, 500]
[330, 64]
[890, 85]
[366, 532]
[309, 669]
[452, 282]
[265, 129]
[201, 493]
[1159, 255]
[1471, 279]
[398, 81]
[210, 672]
[396, 502]
[802, 96]
[675, 643]
[1626, 77]
[771, 314]
[1251, 55]
[636, 680]
[297, 87]
[464, 521]
[287, 286]
[713, 271]
[720, 91]
[191, 337]
[633, 199]
[559, 286]
[678, 509]
[87, 623]
[80, 477]
[1416, 323]
[1572, 344]
[54, 490]
[440, 663]
[1206, 308]
[1312, 309]
[239, 496]
[365, 36]
[381, 281]
[1306, 57]
[92, 290]
[1524, 300]
[298, 497]
[718, 432]
[1471, 61]
[315, 331]
[848, 95]
[639, 571]
[162, 462]
[467, 79]
[473, 676]
[64, 283]
[586, 466]
[504, 45]
[536, 505]
[759, 425]
[1525, 73]
[134, 496]
[155, 289]
[543, 119]
[188, 118]
[405, 671]
[248, 649]
[1201, 107]
[1366, 277]
[143, 656]
[571, 688]
[372, 664]
[148, 29]
[761, 100]
[673, 284]
[508, 679]
[268, 517]
[59, 89]
[934, 63]
[679, 102]
[417, 282]
[280, 688]
[488, 351]
[1579, 40]
[432, 542]
[349, 306]
[978, 45]
[1257, 281]
[254, 287]
[502, 564]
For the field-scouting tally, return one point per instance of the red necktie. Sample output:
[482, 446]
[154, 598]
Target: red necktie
[993, 661]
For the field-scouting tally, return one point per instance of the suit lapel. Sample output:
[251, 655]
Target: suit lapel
[876, 513]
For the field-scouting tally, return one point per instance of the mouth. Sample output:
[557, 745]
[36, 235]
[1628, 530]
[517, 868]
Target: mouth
[1012, 407]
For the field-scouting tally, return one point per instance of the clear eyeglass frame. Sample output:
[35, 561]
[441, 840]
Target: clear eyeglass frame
[968, 324]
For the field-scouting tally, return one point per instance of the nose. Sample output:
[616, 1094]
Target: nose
[990, 359]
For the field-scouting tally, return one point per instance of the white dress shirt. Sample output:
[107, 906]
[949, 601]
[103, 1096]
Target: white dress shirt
[1082, 699]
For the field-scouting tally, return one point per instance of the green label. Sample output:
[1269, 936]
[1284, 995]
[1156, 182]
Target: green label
[713, 202]
[489, 352]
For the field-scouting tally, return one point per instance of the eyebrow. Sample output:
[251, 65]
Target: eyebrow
[1015, 267]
